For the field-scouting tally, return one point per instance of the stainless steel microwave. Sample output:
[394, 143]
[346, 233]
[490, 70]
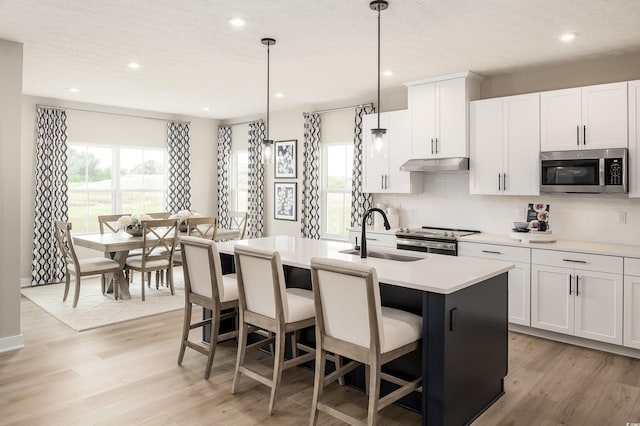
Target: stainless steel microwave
[585, 171]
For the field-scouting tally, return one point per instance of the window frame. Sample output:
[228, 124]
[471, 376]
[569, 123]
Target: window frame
[324, 191]
[115, 190]
[233, 178]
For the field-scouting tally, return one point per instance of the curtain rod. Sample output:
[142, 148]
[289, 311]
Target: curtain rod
[112, 113]
[338, 109]
[239, 123]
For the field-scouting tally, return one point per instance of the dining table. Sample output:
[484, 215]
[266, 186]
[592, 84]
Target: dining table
[117, 245]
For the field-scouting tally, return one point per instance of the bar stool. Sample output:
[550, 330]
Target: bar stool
[351, 322]
[266, 303]
[205, 286]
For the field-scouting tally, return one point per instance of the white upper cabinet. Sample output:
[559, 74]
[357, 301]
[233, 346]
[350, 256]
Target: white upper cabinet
[591, 117]
[439, 115]
[381, 168]
[505, 145]
[634, 139]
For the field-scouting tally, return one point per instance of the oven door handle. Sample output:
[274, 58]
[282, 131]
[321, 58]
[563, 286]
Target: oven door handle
[426, 244]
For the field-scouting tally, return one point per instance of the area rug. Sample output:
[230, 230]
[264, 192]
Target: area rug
[97, 310]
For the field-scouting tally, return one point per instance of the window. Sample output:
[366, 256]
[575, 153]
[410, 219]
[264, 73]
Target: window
[240, 181]
[336, 190]
[111, 179]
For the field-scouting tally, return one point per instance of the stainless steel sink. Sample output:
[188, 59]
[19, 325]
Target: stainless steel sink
[382, 255]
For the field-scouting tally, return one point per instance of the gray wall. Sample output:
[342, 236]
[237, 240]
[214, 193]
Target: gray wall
[10, 215]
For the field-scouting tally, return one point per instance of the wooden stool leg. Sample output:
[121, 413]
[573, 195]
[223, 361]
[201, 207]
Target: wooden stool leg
[170, 281]
[213, 342]
[318, 384]
[242, 347]
[281, 338]
[185, 330]
[374, 393]
[338, 363]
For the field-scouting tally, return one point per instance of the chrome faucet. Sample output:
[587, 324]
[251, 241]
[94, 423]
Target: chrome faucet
[363, 236]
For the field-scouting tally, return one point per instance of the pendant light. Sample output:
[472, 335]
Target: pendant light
[378, 133]
[267, 144]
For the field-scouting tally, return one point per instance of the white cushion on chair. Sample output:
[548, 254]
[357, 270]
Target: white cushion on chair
[399, 328]
[96, 264]
[136, 262]
[300, 305]
[230, 285]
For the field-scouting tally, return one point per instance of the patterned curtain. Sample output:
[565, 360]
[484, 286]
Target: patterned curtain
[224, 159]
[255, 215]
[310, 217]
[179, 177]
[47, 265]
[360, 202]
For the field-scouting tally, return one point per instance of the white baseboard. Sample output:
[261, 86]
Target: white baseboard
[11, 343]
[578, 341]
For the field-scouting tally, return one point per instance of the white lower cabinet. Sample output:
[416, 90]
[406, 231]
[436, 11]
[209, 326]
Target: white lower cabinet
[631, 327]
[577, 300]
[519, 277]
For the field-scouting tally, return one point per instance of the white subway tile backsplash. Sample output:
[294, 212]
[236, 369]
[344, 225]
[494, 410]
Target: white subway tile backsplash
[446, 202]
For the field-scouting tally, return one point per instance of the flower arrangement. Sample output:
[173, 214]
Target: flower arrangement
[132, 224]
[182, 217]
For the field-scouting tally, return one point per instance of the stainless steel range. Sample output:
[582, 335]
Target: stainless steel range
[430, 239]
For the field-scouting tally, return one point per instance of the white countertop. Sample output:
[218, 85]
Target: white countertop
[434, 273]
[625, 250]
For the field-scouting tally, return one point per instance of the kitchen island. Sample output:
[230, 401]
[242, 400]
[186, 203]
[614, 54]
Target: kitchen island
[463, 303]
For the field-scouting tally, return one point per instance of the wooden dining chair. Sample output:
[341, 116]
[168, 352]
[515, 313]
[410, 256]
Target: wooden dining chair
[108, 223]
[351, 322]
[238, 220]
[81, 267]
[265, 302]
[204, 285]
[159, 243]
[203, 227]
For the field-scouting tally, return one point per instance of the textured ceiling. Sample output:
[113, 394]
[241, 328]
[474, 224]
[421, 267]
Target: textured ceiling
[325, 53]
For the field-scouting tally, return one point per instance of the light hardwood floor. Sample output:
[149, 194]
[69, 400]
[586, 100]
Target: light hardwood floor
[127, 374]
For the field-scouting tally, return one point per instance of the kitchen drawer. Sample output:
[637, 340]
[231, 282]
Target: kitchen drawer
[632, 266]
[569, 259]
[493, 251]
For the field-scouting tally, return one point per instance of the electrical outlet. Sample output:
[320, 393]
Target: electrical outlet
[621, 217]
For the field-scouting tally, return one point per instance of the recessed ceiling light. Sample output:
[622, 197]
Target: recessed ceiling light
[387, 73]
[567, 37]
[279, 95]
[237, 22]
[73, 90]
[133, 65]
[206, 109]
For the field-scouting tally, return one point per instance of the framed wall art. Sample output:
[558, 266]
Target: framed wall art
[286, 159]
[285, 204]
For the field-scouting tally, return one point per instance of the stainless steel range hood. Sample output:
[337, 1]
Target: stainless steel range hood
[436, 165]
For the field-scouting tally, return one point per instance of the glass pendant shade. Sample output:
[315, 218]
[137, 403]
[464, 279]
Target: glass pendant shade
[267, 151]
[379, 139]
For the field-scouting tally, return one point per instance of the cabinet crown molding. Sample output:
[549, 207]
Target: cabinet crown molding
[464, 74]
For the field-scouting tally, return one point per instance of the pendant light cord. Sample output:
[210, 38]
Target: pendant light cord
[378, 68]
[268, 68]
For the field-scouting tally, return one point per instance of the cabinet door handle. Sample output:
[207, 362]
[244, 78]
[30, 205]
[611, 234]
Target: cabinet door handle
[432, 145]
[578, 135]
[499, 189]
[574, 261]
[437, 145]
[570, 284]
[386, 181]
[584, 135]
[381, 181]
[491, 252]
[452, 318]
[504, 181]
[577, 285]
[371, 239]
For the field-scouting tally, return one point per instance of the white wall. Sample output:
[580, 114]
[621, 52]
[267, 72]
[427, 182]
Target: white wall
[10, 208]
[116, 126]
